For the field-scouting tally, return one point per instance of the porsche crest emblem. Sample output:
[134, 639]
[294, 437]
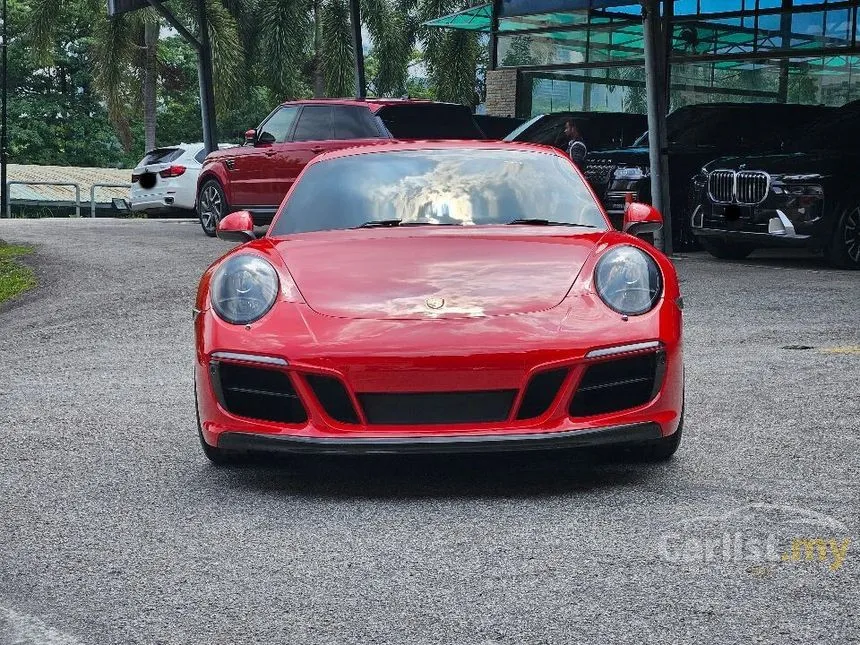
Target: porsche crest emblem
[435, 303]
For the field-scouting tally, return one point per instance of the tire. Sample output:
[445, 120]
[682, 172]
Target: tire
[725, 250]
[211, 206]
[844, 250]
[215, 455]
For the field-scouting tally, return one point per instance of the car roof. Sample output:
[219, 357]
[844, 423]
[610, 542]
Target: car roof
[373, 104]
[395, 146]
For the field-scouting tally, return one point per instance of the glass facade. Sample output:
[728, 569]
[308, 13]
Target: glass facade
[798, 51]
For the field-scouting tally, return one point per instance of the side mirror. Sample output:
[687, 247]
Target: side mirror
[237, 227]
[251, 137]
[641, 218]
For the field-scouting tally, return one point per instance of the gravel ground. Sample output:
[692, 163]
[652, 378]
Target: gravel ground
[116, 530]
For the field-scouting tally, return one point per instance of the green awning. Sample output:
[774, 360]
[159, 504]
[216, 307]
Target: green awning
[472, 19]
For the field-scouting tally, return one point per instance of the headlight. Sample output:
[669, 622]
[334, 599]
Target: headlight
[243, 289]
[628, 280]
[632, 173]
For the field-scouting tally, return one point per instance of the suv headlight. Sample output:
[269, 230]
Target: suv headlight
[243, 289]
[628, 280]
[631, 173]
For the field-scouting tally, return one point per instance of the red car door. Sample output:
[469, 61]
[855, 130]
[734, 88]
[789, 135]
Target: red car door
[321, 128]
[258, 177]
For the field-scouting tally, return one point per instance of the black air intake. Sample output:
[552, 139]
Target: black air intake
[540, 393]
[257, 393]
[613, 385]
[333, 397]
[437, 407]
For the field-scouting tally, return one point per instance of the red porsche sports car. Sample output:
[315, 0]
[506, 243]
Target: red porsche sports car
[439, 297]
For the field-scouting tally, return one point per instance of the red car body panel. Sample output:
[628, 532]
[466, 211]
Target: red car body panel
[349, 307]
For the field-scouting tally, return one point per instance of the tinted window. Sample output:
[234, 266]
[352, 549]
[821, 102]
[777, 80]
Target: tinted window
[447, 186]
[314, 124]
[161, 155]
[353, 123]
[200, 156]
[430, 121]
[277, 128]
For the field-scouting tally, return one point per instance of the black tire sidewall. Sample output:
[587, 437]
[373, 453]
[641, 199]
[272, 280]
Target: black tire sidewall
[837, 254]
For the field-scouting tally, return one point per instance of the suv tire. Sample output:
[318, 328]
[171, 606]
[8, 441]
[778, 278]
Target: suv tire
[211, 206]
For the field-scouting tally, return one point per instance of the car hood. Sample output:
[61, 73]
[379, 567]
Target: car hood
[422, 273]
[798, 163]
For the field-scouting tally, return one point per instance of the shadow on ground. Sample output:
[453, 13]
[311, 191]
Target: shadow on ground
[508, 475]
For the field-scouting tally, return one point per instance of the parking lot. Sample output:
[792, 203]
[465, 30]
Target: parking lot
[115, 529]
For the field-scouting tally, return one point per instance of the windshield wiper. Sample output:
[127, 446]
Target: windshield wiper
[381, 223]
[377, 223]
[547, 222]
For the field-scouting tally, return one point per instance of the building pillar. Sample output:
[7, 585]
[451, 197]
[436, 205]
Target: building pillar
[501, 92]
[655, 84]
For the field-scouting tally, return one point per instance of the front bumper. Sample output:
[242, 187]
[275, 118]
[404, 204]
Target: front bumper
[246, 442]
[778, 222]
[448, 359]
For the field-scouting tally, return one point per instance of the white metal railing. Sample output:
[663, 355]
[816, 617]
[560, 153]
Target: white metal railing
[77, 188]
[72, 184]
[93, 194]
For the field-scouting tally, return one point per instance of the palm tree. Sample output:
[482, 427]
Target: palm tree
[125, 50]
[295, 48]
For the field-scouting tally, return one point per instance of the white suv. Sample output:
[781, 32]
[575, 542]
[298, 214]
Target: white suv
[165, 180]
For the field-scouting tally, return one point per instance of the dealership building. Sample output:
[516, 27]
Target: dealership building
[555, 55]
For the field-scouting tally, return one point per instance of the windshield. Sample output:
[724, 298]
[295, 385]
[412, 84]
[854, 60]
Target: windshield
[468, 186]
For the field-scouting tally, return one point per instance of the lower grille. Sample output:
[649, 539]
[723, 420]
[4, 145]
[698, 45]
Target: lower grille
[432, 408]
[614, 385]
[540, 393]
[257, 393]
[333, 397]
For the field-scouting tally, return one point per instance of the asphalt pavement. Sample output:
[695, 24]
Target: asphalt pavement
[115, 529]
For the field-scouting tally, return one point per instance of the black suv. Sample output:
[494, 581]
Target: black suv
[696, 134]
[807, 196]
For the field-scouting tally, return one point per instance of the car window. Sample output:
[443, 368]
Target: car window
[430, 121]
[467, 186]
[161, 155]
[353, 123]
[200, 156]
[278, 126]
[314, 124]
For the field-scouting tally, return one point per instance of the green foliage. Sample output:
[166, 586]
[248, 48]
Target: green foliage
[15, 278]
[79, 74]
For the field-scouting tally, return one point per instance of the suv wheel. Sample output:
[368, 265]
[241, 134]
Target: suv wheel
[725, 250]
[844, 249]
[211, 206]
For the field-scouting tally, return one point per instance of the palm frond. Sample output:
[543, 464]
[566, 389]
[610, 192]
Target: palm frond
[43, 21]
[115, 78]
[338, 55]
[286, 31]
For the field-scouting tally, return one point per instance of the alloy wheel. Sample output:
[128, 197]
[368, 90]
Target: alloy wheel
[211, 207]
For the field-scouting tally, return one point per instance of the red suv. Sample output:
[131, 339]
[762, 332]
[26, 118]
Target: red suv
[256, 176]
